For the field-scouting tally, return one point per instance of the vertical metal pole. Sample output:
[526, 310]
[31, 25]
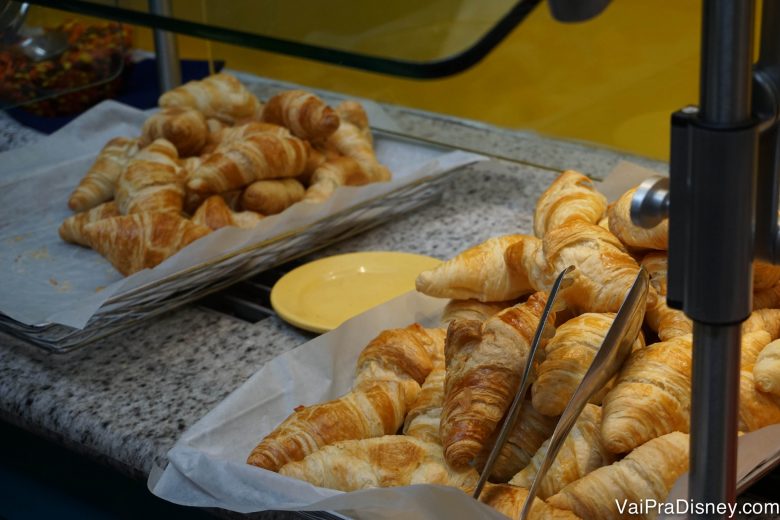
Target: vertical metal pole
[168, 65]
[727, 47]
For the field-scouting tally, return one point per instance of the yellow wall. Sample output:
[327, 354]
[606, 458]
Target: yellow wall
[613, 80]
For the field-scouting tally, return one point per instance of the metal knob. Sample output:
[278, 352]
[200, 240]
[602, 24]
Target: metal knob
[650, 203]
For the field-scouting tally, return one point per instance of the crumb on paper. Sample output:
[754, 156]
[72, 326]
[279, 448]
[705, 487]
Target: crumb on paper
[64, 287]
[41, 253]
[53, 281]
[99, 288]
[17, 238]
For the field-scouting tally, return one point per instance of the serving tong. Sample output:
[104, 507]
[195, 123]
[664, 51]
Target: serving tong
[613, 352]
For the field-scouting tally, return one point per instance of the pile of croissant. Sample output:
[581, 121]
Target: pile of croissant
[447, 391]
[215, 156]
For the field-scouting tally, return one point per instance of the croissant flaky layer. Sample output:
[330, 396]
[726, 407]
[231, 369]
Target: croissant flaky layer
[480, 272]
[582, 452]
[647, 473]
[391, 460]
[484, 366]
[571, 197]
[361, 414]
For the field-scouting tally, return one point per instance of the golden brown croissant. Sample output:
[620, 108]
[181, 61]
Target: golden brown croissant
[471, 310]
[568, 356]
[368, 411]
[335, 172]
[141, 240]
[527, 435]
[99, 183]
[424, 416]
[651, 397]
[763, 319]
[509, 501]
[571, 197]
[767, 298]
[605, 272]
[259, 156]
[214, 213]
[306, 115]
[351, 141]
[667, 322]
[632, 235]
[765, 275]
[152, 181]
[484, 365]
[756, 408]
[479, 272]
[647, 473]
[766, 371]
[184, 127]
[72, 228]
[219, 96]
[354, 113]
[582, 452]
[234, 134]
[273, 196]
[405, 355]
[391, 460]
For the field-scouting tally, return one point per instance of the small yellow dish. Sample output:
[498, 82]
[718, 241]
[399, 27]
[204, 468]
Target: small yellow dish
[321, 295]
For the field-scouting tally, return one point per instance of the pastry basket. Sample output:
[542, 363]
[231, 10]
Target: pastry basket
[131, 307]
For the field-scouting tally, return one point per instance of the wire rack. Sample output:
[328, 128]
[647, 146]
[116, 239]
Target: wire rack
[129, 308]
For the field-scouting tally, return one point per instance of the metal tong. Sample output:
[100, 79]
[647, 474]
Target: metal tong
[514, 410]
[613, 352]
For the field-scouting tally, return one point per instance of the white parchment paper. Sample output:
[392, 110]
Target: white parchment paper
[44, 280]
[208, 464]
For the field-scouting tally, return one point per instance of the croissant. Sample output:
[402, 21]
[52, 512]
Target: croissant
[525, 438]
[647, 473]
[354, 113]
[226, 135]
[667, 322]
[405, 355]
[766, 370]
[765, 275]
[632, 235]
[571, 197]
[605, 272]
[581, 452]
[273, 196]
[219, 96]
[756, 408]
[651, 397]
[471, 310]
[259, 156]
[484, 366]
[152, 181]
[368, 411]
[526, 258]
[214, 214]
[185, 128]
[568, 355]
[141, 240]
[391, 460]
[306, 115]
[424, 417]
[351, 141]
[509, 500]
[99, 183]
[767, 298]
[335, 172]
[72, 228]
[479, 272]
[763, 319]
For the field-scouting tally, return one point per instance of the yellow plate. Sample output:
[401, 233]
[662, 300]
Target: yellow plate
[321, 295]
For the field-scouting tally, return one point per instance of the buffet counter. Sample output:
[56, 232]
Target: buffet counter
[124, 400]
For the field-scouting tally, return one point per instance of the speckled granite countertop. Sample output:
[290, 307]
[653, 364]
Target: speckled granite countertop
[126, 399]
